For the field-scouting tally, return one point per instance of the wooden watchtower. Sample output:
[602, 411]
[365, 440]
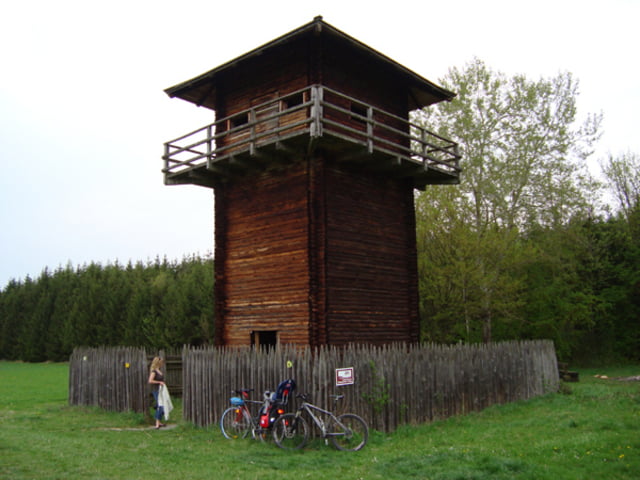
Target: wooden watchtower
[314, 163]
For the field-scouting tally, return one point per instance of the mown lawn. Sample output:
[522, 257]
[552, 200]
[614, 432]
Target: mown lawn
[591, 431]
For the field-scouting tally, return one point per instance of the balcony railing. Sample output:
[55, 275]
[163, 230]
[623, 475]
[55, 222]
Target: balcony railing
[310, 117]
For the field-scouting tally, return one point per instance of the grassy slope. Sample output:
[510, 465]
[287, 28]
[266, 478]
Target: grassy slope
[591, 433]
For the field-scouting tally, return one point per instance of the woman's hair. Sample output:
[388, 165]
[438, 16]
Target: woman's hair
[156, 363]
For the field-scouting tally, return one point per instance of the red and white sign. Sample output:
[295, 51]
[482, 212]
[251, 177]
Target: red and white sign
[344, 376]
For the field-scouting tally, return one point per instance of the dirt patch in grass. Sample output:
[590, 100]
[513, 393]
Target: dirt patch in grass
[138, 429]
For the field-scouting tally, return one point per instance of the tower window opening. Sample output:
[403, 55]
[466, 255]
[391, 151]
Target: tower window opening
[359, 112]
[292, 101]
[238, 120]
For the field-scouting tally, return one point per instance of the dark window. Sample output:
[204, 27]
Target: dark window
[264, 338]
[359, 112]
[239, 120]
[292, 101]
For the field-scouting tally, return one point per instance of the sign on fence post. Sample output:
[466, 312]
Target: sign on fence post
[344, 376]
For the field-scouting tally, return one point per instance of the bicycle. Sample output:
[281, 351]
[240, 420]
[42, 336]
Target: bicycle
[347, 432]
[237, 420]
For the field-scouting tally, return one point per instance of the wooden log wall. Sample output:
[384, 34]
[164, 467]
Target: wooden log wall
[394, 384]
[318, 254]
[262, 279]
[371, 268]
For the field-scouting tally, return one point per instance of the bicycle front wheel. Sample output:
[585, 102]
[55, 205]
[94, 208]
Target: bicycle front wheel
[290, 432]
[235, 423]
[349, 433]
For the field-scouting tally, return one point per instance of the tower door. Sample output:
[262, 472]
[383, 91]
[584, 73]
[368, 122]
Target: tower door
[264, 338]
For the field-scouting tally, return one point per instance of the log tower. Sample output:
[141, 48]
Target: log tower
[314, 162]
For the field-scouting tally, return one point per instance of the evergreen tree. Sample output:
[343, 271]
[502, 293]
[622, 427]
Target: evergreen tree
[158, 305]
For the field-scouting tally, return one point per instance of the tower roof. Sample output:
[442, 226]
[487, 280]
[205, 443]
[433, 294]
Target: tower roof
[421, 92]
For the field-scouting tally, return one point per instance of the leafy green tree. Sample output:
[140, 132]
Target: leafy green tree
[524, 155]
[523, 160]
[623, 175]
[459, 270]
[618, 241]
[561, 300]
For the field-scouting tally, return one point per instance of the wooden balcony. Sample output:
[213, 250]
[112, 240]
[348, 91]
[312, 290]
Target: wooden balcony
[312, 119]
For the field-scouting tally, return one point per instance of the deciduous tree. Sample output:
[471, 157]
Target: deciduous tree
[524, 167]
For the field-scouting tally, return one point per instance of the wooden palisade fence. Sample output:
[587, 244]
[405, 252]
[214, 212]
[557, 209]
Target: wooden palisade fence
[394, 385]
[113, 378]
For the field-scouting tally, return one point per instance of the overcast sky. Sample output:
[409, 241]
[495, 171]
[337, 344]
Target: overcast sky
[83, 115]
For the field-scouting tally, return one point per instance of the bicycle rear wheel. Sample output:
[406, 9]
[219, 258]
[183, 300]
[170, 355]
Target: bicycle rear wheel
[235, 423]
[290, 432]
[350, 433]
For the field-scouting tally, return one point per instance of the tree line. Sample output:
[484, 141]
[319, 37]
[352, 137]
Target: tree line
[157, 305]
[523, 248]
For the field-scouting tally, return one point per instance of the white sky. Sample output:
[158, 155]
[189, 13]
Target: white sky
[83, 115]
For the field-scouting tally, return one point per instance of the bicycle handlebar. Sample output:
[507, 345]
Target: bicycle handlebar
[242, 391]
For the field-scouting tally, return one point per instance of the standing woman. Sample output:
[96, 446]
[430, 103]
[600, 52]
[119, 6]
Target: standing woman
[156, 378]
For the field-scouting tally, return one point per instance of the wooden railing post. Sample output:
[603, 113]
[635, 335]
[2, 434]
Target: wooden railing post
[209, 141]
[370, 129]
[316, 111]
[252, 132]
[166, 157]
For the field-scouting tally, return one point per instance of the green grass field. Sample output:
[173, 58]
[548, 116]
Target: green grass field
[590, 431]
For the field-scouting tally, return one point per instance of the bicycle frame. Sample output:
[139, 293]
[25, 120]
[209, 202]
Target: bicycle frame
[347, 431]
[320, 423]
[238, 420]
[244, 393]
[245, 408]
